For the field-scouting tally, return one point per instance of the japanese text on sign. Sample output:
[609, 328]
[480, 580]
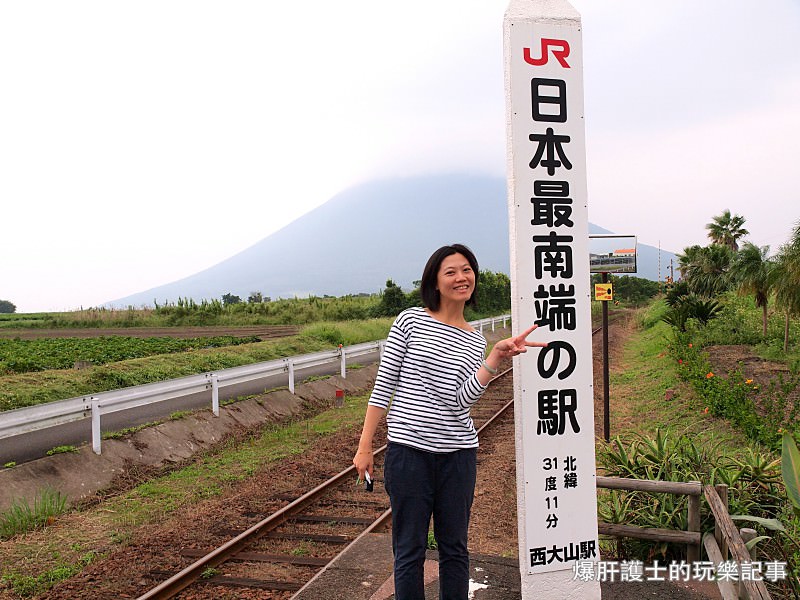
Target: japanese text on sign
[551, 247]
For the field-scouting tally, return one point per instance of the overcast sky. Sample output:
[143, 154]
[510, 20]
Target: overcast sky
[141, 142]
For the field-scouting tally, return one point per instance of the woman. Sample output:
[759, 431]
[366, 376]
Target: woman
[432, 371]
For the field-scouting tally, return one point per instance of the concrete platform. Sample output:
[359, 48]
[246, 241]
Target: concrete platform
[364, 572]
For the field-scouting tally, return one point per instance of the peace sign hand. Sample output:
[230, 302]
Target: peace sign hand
[516, 345]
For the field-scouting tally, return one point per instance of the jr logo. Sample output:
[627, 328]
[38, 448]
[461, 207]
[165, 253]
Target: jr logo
[560, 52]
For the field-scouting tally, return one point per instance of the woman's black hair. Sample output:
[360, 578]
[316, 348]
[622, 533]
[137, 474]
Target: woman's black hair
[427, 288]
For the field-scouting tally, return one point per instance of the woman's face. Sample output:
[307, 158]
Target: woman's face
[456, 279]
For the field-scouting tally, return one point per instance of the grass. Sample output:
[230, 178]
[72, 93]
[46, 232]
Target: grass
[681, 439]
[233, 462]
[22, 517]
[121, 433]
[31, 585]
[740, 323]
[34, 565]
[29, 389]
[642, 377]
[61, 450]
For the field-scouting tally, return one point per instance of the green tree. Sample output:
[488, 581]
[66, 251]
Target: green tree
[628, 288]
[727, 230]
[688, 259]
[706, 270]
[229, 299]
[393, 301]
[255, 298]
[785, 281]
[751, 272]
[691, 307]
[494, 292]
[7, 307]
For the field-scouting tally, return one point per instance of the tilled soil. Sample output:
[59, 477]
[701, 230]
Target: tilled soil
[764, 377]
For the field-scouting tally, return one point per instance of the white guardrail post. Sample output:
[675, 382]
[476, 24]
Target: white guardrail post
[215, 394]
[42, 416]
[97, 436]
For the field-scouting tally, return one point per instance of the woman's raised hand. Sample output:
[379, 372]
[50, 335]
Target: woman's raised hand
[517, 344]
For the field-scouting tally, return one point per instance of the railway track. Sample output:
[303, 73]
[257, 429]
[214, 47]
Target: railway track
[278, 554]
[274, 556]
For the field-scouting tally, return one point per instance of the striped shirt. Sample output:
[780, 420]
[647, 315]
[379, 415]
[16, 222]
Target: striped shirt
[428, 373]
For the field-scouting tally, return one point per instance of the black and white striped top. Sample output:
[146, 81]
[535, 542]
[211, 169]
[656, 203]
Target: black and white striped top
[428, 374]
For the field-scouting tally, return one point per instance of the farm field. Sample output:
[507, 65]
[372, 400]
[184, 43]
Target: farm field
[706, 402]
[37, 387]
[152, 513]
[42, 354]
[262, 332]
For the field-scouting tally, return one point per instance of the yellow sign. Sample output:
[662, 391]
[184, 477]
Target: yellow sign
[603, 292]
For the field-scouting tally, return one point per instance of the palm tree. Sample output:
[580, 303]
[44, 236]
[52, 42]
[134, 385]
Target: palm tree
[785, 279]
[726, 230]
[751, 272]
[687, 259]
[706, 270]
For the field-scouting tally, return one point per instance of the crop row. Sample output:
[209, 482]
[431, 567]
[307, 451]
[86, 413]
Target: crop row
[25, 356]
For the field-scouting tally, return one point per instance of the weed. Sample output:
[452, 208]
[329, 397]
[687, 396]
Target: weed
[301, 550]
[431, 544]
[10, 464]
[30, 585]
[22, 517]
[61, 450]
[120, 537]
[753, 478]
[116, 435]
[209, 572]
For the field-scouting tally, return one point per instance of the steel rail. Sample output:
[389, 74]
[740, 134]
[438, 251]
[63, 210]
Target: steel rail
[184, 578]
[188, 575]
[386, 516]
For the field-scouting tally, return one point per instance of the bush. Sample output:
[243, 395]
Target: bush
[753, 477]
[691, 307]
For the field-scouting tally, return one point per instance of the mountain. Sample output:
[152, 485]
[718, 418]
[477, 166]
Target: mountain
[365, 235]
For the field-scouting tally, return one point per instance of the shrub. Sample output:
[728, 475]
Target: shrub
[754, 479]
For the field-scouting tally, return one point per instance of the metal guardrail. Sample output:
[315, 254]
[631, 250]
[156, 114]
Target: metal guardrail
[42, 416]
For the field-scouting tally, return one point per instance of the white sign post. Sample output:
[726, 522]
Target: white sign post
[549, 231]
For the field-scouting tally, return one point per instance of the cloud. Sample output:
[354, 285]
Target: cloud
[668, 185]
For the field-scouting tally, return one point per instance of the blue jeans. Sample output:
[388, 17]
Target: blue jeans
[420, 485]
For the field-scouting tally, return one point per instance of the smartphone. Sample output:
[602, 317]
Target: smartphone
[368, 481]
